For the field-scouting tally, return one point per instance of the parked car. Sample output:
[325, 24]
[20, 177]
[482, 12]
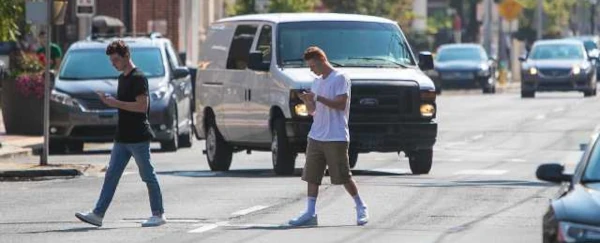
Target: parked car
[252, 71]
[464, 66]
[558, 65]
[77, 115]
[591, 44]
[574, 215]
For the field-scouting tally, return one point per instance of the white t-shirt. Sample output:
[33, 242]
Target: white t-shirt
[330, 124]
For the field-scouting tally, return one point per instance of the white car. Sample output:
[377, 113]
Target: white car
[251, 71]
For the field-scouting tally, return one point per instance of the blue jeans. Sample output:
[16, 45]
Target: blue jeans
[119, 157]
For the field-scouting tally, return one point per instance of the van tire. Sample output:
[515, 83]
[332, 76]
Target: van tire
[420, 161]
[218, 152]
[282, 155]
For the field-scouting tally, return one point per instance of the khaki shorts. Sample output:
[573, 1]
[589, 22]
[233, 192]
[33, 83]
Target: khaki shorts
[333, 155]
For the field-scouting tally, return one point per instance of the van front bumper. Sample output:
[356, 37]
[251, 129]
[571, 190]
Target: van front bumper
[374, 136]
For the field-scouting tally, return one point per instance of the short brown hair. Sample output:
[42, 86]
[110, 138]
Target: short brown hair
[119, 47]
[314, 52]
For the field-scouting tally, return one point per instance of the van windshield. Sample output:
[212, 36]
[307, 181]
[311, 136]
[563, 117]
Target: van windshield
[346, 43]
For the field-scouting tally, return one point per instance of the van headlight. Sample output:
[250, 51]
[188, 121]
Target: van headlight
[64, 99]
[484, 70]
[576, 70]
[427, 110]
[570, 232]
[301, 109]
[160, 93]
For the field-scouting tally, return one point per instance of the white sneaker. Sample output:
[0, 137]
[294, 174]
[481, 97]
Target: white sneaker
[304, 220]
[362, 215]
[90, 218]
[155, 221]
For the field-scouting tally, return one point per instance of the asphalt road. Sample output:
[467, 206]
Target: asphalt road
[482, 187]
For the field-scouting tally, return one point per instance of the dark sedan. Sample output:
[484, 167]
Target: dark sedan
[558, 65]
[574, 216]
[591, 44]
[464, 66]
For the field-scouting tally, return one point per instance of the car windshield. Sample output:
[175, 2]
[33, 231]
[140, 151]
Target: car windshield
[460, 54]
[87, 64]
[590, 45]
[357, 44]
[557, 51]
[592, 170]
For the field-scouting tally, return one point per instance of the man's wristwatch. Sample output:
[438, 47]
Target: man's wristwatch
[315, 99]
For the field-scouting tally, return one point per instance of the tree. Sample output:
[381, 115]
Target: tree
[399, 10]
[291, 6]
[556, 17]
[11, 19]
[241, 7]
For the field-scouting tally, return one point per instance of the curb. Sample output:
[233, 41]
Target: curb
[37, 174]
[17, 152]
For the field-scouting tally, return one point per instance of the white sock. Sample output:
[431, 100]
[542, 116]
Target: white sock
[311, 205]
[358, 201]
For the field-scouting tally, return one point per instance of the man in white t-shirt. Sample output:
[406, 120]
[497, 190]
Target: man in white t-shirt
[328, 140]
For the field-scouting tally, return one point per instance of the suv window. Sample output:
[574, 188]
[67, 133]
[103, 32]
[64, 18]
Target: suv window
[265, 41]
[94, 64]
[240, 46]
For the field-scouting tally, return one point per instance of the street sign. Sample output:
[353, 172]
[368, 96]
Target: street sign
[510, 9]
[85, 8]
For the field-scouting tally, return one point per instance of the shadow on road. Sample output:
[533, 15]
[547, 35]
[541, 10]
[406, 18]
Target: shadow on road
[70, 230]
[266, 173]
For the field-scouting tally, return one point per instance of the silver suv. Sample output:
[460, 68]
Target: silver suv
[77, 115]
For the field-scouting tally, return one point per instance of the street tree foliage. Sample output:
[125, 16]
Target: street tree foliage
[556, 17]
[398, 10]
[291, 6]
[12, 14]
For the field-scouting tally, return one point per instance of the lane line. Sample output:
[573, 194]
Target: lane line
[204, 229]
[481, 172]
[249, 210]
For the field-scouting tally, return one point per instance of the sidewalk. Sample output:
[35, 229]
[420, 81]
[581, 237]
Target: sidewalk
[17, 145]
[12, 146]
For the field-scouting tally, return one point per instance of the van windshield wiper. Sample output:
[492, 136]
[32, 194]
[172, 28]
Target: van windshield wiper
[399, 64]
[335, 64]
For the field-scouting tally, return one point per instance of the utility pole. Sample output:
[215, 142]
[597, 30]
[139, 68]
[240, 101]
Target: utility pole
[593, 16]
[540, 18]
[487, 41]
[44, 155]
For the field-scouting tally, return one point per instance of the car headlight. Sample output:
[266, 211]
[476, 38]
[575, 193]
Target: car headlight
[576, 70]
[62, 98]
[301, 110]
[533, 71]
[159, 93]
[427, 110]
[570, 232]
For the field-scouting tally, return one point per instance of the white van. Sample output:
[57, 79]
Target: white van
[251, 72]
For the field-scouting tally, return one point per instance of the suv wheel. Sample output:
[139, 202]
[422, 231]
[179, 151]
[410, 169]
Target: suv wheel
[218, 152]
[185, 139]
[589, 93]
[420, 161]
[172, 144]
[281, 152]
[352, 158]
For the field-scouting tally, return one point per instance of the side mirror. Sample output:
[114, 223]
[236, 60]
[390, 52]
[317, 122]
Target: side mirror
[181, 72]
[425, 60]
[552, 173]
[522, 58]
[256, 63]
[583, 146]
[182, 56]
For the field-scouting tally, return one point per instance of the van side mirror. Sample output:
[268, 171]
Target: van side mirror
[552, 173]
[425, 60]
[256, 62]
[522, 58]
[181, 72]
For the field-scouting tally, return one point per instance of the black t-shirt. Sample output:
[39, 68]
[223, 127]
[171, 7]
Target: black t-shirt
[133, 127]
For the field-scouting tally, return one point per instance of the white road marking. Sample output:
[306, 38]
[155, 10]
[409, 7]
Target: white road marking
[559, 109]
[540, 117]
[393, 170]
[249, 210]
[516, 160]
[481, 172]
[477, 137]
[204, 228]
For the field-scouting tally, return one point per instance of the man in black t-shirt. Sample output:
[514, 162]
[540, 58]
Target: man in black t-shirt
[132, 138]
